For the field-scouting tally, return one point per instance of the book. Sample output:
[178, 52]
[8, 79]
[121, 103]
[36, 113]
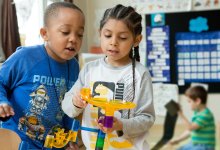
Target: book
[172, 107]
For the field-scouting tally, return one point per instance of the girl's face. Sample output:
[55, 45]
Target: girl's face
[117, 41]
[63, 34]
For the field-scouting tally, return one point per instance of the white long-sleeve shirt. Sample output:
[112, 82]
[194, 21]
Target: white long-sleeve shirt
[115, 83]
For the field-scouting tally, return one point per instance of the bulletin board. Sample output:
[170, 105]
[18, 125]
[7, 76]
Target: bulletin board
[168, 92]
[190, 52]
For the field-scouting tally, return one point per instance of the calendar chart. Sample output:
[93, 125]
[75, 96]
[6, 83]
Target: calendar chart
[198, 56]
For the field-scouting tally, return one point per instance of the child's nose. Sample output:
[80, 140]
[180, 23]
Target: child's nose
[73, 38]
[114, 42]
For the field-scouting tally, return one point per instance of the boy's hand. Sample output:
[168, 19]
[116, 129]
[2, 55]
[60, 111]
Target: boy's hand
[117, 125]
[78, 101]
[173, 142]
[72, 146]
[6, 110]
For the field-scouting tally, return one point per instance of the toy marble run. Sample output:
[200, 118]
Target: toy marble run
[59, 137]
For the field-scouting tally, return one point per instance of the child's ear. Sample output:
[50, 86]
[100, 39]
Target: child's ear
[198, 101]
[43, 33]
[137, 40]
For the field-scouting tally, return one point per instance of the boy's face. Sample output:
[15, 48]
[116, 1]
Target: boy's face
[194, 103]
[64, 33]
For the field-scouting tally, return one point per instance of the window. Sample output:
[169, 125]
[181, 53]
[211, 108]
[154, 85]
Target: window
[30, 19]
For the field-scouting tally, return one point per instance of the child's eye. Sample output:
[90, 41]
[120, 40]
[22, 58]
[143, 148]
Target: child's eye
[123, 38]
[65, 33]
[107, 36]
[80, 35]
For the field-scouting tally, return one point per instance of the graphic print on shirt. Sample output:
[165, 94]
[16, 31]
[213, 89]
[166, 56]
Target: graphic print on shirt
[111, 91]
[128, 94]
[62, 90]
[31, 123]
[57, 88]
[104, 90]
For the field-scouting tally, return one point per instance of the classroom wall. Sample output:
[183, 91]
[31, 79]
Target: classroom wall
[93, 11]
[83, 5]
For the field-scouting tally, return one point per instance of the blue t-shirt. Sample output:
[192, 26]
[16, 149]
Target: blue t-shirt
[34, 84]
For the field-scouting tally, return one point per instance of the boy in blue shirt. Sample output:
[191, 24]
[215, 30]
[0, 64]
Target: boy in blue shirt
[34, 79]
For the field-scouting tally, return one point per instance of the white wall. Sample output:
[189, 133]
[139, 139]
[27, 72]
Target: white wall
[94, 10]
[83, 5]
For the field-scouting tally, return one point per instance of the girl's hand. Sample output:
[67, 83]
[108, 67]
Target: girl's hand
[117, 125]
[6, 110]
[78, 101]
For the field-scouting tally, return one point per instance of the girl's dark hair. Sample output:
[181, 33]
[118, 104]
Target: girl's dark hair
[197, 92]
[130, 17]
[53, 10]
[133, 21]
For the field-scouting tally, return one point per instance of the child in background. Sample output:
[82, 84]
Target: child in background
[34, 79]
[119, 75]
[202, 126]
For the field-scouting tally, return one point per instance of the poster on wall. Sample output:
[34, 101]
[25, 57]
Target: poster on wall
[163, 93]
[152, 6]
[158, 53]
[189, 31]
[198, 56]
[205, 4]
